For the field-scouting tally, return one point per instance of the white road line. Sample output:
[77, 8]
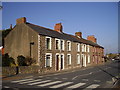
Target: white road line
[85, 79]
[39, 82]
[96, 80]
[6, 87]
[76, 85]
[61, 85]
[64, 78]
[93, 86]
[21, 80]
[50, 83]
[74, 77]
[30, 81]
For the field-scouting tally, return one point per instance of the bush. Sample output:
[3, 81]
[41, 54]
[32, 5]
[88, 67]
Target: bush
[7, 61]
[22, 61]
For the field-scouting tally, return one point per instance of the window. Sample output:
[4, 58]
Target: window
[69, 59]
[88, 48]
[78, 59]
[62, 44]
[68, 45]
[88, 58]
[48, 43]
[82, 47]
[57, 44]
[78, 47]
[48, 60]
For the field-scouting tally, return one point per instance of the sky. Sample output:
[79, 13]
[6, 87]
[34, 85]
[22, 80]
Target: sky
[91, 18]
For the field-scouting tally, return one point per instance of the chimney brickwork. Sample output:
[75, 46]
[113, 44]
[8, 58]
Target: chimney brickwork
[58, 27]
[78, 34]
[21, 20]
[92, 38]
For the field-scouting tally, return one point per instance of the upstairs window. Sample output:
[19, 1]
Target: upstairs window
[68, 45]
[48, 43]
[78, 47]
[48, 60]
[57, 44]
[62, 44]
[69, 59]
[88, 48]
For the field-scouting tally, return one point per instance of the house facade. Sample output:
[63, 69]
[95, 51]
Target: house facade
[52, 49]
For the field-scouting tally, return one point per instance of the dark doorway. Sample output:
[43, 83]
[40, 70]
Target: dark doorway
[57, 62]
[61, 61]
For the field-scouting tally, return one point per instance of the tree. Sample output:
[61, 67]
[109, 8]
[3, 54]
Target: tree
[7, 61]
[4, 34]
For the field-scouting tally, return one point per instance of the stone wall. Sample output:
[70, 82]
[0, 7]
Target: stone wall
[9, 71]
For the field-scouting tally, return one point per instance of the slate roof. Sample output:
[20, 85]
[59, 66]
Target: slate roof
[52, 33]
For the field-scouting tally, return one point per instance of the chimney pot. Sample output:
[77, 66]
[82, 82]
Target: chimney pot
[11, 26]
[78, 34]
[58, 27]
[21, 20]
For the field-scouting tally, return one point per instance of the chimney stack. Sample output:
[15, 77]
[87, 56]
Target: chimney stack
[92, 38]
[58, 27]
[21, 20]
[11, 26]
[78, 34]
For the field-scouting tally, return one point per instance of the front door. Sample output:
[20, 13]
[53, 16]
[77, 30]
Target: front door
[57, 62]
[62, 61]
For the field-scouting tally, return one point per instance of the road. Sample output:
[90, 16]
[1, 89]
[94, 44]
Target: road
[86, 78]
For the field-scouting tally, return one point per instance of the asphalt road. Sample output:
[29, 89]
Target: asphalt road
[86, 78]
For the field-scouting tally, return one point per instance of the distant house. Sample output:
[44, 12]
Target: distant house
[52, 49]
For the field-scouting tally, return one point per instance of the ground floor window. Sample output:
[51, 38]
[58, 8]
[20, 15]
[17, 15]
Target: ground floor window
[69, 59]
[78, 59]
[48, 60]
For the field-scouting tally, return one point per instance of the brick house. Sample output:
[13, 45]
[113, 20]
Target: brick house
[52, 49]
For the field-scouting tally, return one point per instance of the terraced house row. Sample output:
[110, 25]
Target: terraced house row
[53, 50]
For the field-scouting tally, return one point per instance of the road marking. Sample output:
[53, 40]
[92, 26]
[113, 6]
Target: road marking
[93, 86]
[31, 81]
[50, 83]
[97, 80]
[39, 82]
[74, 77]
[55, 78]
[61, 85]
[21, 80]
[29, 77]
[6, 87]
[40, 76]
[85, 79]
[76, 85]
[64, 78]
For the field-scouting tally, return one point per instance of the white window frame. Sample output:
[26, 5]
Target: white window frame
[63, 45]
[50, 59]
[58, 44]
[63, 60]
[78, 58]
[88, 48]
[88, 58]
[38, 49]
[69, 61]
[50, 42]
[69, 46]
[82, 47]
[78, 47]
